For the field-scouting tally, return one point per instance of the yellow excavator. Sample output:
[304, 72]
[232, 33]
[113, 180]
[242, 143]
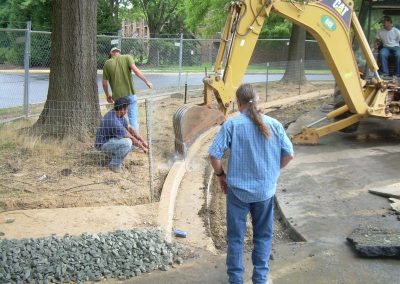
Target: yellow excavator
[334, 25]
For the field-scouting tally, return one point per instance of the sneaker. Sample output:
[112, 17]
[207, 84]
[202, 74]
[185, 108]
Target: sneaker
[115, 169]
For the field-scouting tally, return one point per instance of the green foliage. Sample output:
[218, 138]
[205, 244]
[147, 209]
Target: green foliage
[162, 16]
[3, 55]
[205, 17]
[4, 13]
[195, 11]
[106, 23]
[208, 18]
[36, 11]
[40, 50]
[135, 47]
[168, 52]
[276, 27]
[7, 145]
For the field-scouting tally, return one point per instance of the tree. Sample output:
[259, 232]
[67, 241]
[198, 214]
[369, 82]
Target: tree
[158, 13]
[15, 13]
[295, 65]
[207, 17]
[72, 105]
[161, 16]
[109, 15]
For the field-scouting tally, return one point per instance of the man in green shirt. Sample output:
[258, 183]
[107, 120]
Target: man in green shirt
[118, 72]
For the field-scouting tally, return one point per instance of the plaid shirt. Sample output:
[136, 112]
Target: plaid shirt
[254, 161]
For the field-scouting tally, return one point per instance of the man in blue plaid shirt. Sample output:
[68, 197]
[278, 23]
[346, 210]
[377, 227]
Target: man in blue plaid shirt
[259, 148]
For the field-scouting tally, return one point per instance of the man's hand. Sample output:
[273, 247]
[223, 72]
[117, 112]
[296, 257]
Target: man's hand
[377, 44]
[140, 144]
[144, 148]
[222, 183]
[110, 99]
[149, 84]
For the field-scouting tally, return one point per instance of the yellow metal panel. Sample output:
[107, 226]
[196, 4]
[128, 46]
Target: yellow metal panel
[333, 36]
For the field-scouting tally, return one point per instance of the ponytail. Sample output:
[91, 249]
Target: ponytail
[246, 95]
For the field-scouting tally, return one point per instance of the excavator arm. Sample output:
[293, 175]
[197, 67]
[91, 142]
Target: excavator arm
[329, 22]
[332, 23]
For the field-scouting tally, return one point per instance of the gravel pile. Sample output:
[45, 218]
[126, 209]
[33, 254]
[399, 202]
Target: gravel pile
[120, 254]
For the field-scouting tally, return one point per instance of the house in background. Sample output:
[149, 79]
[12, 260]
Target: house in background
[137, 29]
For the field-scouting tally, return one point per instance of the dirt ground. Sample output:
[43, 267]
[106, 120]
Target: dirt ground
[37, 173]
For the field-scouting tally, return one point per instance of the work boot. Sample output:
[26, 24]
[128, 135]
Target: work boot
[116, 169]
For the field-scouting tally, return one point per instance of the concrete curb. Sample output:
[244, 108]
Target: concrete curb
[171, 185]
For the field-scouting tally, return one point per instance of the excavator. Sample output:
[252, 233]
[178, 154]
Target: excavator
[335, 26]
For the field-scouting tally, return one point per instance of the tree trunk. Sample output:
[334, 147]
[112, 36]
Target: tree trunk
[114, 7]
[295, 67]
[153, 51]
[72, 105]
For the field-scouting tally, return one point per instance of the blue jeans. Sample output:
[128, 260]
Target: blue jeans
[133, 111]
[262, 214]
[117, 149]
[384, 54]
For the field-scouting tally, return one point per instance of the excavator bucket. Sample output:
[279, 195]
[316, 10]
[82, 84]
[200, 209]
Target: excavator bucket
[190, 121]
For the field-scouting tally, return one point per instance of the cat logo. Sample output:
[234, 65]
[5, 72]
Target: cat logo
[340, 7]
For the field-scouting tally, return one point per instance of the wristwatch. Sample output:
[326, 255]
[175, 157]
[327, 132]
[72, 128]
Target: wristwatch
[220, 174]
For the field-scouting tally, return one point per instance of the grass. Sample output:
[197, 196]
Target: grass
[7, 145]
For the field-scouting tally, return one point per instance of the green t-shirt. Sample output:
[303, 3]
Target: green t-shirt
[117, 72]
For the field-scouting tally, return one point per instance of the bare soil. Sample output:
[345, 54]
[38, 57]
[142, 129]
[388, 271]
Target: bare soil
[38, 173]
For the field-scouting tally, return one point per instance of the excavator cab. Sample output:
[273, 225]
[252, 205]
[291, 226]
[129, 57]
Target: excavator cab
[370, 16]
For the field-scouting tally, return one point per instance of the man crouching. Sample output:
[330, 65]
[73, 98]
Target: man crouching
[115, 136]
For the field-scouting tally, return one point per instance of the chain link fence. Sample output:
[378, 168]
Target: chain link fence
[45, 172]
[170, 63]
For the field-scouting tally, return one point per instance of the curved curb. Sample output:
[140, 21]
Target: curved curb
[293, 232]
[166, 208]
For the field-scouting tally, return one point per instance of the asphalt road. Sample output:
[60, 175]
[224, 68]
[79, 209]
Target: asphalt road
[12, 85]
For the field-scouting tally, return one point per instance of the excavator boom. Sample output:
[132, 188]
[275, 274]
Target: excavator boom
[332, 23]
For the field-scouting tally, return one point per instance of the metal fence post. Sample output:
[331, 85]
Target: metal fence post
[266, 83]
[180, 60]
[300, 72]
[149, 141]
[27, 56]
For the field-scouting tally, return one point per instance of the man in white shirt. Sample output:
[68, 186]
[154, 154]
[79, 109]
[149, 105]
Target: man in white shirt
[388, 37]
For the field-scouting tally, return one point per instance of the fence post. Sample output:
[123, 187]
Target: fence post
[119, 39]
[300, 72]
[27, 57]
[186, 85]
[266, 83]
[149, 141]
[180, 60]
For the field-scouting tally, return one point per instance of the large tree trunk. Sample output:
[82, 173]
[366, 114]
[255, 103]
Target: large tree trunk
[295, 67]
[72, 106]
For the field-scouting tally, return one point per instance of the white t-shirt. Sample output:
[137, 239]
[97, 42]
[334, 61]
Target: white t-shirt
[389, 38]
